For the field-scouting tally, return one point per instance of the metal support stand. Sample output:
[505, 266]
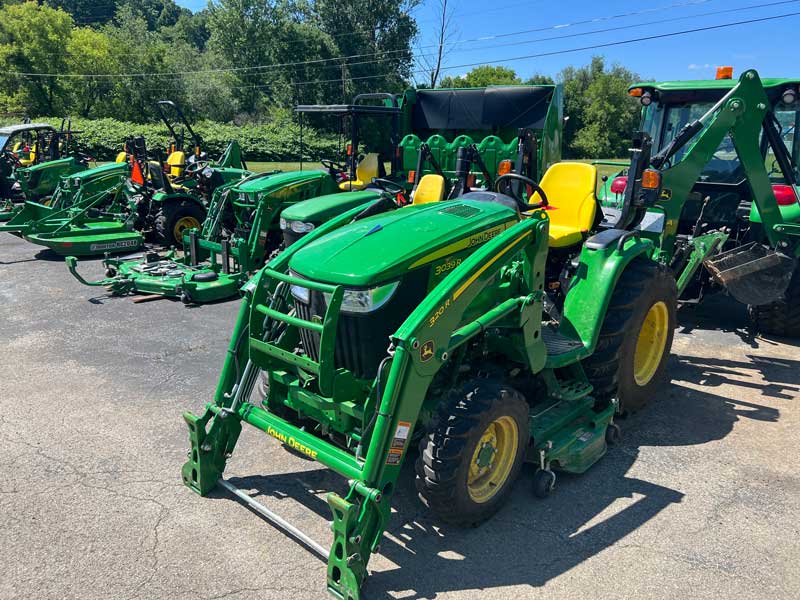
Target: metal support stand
[277, 520]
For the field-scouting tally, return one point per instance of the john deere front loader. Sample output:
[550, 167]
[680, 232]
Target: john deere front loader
[722, 158]
[430, 326]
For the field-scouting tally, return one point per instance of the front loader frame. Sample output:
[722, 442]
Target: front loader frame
[421, 346]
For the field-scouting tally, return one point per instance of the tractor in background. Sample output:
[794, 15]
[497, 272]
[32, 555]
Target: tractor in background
[163, 197]
[33, 158]
[721, 156]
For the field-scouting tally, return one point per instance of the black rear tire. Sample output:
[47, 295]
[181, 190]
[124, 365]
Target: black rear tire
[610, 369]
[447, 451]
[781, 318]
[171, 214]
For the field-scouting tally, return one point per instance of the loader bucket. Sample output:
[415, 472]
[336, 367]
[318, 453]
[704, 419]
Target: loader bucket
[753, 274]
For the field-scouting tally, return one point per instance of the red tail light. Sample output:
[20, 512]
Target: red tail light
[619, 184]
[784, 194]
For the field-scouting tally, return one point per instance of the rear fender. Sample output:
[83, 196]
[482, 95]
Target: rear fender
[592, 286]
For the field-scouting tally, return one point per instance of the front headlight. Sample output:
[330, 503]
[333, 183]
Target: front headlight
[301, 293]
[284, 224]
[300, 227]
[364, 301]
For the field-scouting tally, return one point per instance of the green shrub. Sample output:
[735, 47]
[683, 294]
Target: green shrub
[277, 141]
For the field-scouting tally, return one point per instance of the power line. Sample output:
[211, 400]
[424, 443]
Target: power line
[417, 61]
[341, 58]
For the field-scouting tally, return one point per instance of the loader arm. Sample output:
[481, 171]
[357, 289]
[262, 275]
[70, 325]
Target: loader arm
[742, 113]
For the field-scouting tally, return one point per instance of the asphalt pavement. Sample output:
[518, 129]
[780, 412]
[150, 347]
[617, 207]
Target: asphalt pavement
[701, 499]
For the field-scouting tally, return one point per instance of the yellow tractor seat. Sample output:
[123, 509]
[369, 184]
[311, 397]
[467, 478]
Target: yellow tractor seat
[366, 170]
[430, 189]
[570, 189]
[25, 161]
[121, 157]
[176, 162]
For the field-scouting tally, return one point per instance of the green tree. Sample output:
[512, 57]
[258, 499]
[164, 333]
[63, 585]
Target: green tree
[539, 79]
[33, 39]
[377, 34]
[90, 52]
[86, 12]
[601, 114]
[483, 76]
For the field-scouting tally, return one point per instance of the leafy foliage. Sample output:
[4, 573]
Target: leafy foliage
[278, 140]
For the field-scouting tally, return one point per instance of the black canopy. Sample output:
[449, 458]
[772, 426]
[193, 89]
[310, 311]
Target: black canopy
[479, 109]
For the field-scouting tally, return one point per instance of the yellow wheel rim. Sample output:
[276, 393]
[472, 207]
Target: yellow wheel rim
[183, 224]
[493, 459]
[651, 343]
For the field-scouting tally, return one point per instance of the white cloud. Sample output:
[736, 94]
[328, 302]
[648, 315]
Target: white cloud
[696, 67]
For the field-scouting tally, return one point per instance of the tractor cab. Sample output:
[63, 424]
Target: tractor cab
[33, 158]
[354, 170]
[716, 176]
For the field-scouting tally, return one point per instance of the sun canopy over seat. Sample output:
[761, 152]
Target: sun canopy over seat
[482, 109]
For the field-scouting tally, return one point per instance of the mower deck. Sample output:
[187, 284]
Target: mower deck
[165, 276]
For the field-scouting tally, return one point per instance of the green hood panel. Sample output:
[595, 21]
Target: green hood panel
[121, 168]
[384, 247]
[322, 209]
[268, 183]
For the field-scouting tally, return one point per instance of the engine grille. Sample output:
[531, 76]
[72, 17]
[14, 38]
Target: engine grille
[362, 339]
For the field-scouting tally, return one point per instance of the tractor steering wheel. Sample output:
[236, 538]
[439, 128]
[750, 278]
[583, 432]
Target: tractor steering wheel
[389, 186]
[333, 166]
[12, 158]
[193, 168]
[503, 185]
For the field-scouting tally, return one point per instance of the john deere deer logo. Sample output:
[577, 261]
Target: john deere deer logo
[426, 351]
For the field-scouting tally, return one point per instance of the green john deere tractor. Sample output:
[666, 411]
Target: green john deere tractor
[161, 199]
[33, 158]
[464, 326]
[720, 159]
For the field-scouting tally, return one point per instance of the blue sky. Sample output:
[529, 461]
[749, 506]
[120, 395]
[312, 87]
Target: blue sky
[766, 46]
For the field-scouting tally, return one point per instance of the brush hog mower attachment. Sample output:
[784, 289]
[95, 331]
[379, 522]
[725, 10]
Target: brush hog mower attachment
[238, 236]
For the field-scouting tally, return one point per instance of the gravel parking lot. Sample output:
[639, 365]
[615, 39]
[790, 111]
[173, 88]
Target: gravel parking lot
[701, 500]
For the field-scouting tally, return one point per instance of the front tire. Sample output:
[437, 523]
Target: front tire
[176, 216]
[469, 460]
[635, 340]
[781, 318]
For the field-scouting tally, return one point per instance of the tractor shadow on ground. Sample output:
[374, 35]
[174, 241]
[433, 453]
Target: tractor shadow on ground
[530, 541]
[719, 314]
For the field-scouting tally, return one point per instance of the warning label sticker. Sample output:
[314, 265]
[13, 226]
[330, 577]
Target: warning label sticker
[401, 434]
[394, 457]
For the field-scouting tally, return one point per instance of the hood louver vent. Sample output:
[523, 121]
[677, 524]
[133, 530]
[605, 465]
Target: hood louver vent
[461, 210]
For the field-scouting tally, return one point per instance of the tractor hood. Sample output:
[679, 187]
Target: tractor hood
[77, 179]
[269, 182]
[385, 247]
[50, 164]
[322, 209]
